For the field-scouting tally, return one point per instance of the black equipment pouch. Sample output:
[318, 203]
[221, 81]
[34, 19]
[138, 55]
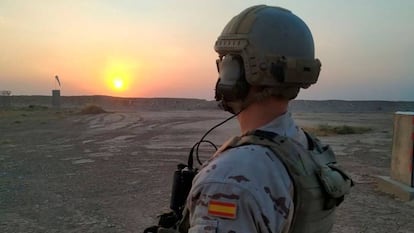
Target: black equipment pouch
[182, 182]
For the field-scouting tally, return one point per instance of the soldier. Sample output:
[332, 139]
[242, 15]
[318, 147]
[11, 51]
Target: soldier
[274, 177]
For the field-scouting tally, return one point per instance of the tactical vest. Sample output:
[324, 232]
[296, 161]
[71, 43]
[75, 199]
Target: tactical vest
[319, 184]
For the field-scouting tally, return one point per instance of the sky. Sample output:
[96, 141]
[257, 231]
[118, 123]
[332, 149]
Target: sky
[164, 48]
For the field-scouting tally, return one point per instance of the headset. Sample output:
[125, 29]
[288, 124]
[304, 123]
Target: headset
[231, 84]
[287, 76]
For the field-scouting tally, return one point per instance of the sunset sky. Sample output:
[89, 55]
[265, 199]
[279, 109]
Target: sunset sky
[164, 48]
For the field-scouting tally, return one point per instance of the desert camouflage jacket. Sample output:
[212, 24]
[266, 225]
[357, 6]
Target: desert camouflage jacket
[245, 189]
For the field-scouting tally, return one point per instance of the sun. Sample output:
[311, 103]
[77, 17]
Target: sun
[119, 75]
[118, 83]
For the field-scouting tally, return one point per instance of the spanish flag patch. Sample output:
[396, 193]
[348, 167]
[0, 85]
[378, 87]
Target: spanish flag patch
[222, 209]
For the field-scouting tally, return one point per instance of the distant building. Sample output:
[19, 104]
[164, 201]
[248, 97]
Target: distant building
[56, 98]
[5, 99]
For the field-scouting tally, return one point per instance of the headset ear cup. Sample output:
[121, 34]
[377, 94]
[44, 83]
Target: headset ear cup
[242, 86]
[217, 95]
[237, 88]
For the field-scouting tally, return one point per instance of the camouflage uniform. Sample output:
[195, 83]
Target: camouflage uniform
[245, 189]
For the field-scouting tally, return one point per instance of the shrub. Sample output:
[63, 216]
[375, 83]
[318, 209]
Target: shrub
[327, 130]
[92, 109]
[36, 108]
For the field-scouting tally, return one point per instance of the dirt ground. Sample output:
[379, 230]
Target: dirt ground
[65, 172]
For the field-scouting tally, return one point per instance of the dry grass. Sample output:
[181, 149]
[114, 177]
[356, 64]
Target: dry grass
[30, 115]
[92, 109]
[328, 130]
[5, 141]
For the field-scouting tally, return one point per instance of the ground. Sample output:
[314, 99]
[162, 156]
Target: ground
[61, 171]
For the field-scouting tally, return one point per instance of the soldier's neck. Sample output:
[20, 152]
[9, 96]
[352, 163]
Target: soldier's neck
[261, 113]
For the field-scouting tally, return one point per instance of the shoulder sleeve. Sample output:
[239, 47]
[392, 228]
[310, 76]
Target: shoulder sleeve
[235, 199]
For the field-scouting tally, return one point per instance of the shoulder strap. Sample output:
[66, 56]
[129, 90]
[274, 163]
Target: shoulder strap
[280, 145]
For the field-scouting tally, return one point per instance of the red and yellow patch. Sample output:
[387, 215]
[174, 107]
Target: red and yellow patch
[222, 209]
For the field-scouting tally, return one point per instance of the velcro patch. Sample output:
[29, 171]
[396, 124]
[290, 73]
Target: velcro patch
[222, 209]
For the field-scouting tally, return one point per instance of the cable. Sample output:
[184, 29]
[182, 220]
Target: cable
[197, 144]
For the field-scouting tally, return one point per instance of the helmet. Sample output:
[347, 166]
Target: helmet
[268, 47]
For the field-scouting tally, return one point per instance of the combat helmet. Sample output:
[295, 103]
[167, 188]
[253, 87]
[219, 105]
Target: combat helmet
[265, 46]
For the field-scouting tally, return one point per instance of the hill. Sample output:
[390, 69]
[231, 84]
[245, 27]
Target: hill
[163, 104]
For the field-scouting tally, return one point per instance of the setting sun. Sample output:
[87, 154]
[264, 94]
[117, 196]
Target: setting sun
[119, 73]
[118, 83]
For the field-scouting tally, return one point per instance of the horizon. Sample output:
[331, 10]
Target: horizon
[210, 100]
[134, 49]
